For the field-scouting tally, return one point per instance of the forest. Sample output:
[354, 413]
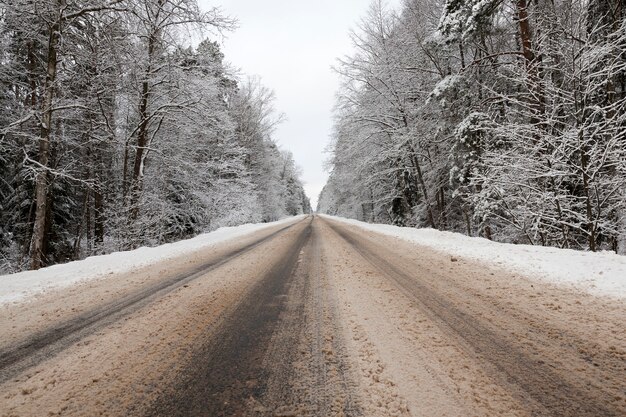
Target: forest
[492, 118]
[121, 125]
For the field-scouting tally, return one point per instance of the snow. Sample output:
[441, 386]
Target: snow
[449, 82]
[17, 287]
[600, 273]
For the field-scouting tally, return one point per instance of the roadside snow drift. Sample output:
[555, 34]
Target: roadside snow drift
[601, 273]
[16, 287]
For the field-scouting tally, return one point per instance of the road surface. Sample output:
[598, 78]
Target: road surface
[314, 318]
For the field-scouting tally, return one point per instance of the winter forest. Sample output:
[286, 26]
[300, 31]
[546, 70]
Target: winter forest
[121, 127]
[501, 119]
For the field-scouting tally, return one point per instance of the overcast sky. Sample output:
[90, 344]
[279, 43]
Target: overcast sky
[292, 45]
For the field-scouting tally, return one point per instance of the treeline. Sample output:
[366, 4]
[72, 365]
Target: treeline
[115, 133]
[502, 119]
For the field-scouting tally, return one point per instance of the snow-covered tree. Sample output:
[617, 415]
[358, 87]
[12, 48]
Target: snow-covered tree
[115, 131]
[500, 119]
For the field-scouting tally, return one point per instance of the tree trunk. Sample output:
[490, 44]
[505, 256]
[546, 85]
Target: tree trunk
[82, 227]
[442, 209]
[524, 31]
[41, 180]
[32, 81]
[468, 222]
[532, 63]
[142, 135]
[420, 177]
[591, 229]
[99, 216]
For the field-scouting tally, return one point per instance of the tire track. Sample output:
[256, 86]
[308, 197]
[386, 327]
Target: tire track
[543, 390]
[307, 355]
[38, 347]
[227, 371]
[279, 353]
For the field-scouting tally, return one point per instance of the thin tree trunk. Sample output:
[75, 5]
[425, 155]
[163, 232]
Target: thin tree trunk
[125, 179]
[32, 66]
[442, 209]
[591, 229]
[84, 225]
[420, 177]
[99, 216]
[468, 222]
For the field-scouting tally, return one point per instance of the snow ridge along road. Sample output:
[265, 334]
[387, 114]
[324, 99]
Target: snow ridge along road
[320, 318]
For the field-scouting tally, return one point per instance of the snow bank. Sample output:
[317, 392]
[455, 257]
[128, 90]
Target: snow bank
[602, 273]
[15, 287]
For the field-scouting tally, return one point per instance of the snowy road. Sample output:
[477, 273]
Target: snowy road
[314, 318]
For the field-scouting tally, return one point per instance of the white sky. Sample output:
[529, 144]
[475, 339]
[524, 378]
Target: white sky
[291, 45]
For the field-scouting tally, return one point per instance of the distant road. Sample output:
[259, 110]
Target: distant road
[314, 318]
